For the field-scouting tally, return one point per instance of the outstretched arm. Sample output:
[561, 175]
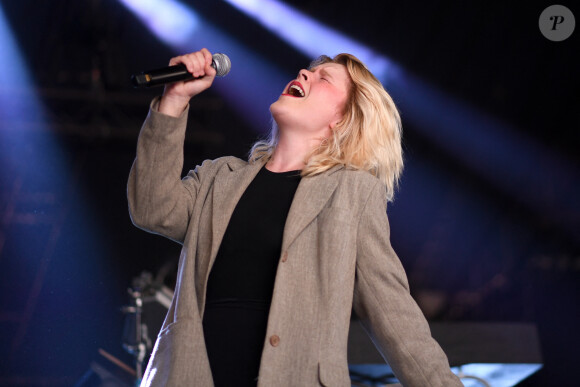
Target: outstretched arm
[386, 309]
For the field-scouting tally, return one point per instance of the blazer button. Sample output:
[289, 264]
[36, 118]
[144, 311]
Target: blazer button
[274, 340]
[285, 256]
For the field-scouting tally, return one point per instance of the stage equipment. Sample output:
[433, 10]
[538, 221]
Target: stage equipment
[148, 304]
[481, 354]
[107, 371]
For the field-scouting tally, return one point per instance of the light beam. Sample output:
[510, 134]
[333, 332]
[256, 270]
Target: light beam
[252, 84]
[312, 37]
[516, 163]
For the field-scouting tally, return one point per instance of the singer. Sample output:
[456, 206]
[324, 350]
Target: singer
[278, 249]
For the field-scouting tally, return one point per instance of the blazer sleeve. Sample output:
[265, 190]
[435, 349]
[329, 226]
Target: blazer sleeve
[385, 307]
[159, 200]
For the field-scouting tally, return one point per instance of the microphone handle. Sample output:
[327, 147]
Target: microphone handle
[162, 76]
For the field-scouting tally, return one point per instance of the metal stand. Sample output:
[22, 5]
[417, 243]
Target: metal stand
[136, 339]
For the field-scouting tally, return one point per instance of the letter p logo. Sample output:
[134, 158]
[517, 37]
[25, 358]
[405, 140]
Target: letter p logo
[557, 20]
[557, 23]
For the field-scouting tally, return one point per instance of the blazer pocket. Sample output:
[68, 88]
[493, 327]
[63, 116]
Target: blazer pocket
[333, 375]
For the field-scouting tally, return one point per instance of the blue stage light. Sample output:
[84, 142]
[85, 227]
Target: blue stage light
[47, 262]
[14, 79]
[483, 143]
[311, 37]
[514, 162]
[169, 20]
[252, 84]
[505, 157]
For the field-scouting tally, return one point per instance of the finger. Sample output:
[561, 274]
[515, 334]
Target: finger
[183, 60]
[175, 60]
[199, 64]
[209, 70]
[190, 61]
[207, 56]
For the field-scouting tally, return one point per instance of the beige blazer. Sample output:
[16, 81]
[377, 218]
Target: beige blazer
[336, 255]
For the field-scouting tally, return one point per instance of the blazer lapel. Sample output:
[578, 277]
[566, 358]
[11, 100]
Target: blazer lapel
[310, 198]
[229, 185]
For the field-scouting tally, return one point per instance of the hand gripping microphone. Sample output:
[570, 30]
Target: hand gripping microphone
[220, 62]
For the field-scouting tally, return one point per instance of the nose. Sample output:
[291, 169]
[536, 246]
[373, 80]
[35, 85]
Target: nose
[304, 74]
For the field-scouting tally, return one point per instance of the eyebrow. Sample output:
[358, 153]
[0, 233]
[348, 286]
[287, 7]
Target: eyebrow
[325, 72]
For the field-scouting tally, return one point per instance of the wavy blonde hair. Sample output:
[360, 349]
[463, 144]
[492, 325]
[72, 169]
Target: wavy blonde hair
[367, 138]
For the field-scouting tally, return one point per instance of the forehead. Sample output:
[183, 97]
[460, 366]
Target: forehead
[330, 67]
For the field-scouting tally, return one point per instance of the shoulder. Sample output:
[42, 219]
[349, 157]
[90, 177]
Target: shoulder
[209, 168]
[216, 164]
[358, 182]
[356, 175]
[356, 188]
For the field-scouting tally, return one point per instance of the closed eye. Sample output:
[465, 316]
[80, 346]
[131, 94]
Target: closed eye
[325, 75]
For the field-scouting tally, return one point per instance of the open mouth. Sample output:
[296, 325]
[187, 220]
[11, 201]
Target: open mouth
[295, 90]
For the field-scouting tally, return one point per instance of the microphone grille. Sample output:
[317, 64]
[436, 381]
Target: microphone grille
[221, 63]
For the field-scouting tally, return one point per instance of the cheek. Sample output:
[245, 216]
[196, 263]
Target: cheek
[340, 109]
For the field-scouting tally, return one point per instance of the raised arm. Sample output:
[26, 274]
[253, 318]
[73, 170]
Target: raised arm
[159, 200]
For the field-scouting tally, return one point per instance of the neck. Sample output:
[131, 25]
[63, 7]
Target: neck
[291, 153]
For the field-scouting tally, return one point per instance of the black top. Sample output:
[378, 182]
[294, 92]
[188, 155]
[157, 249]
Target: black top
[241, 281]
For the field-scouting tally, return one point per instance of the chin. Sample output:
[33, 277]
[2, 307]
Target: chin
[276, 109]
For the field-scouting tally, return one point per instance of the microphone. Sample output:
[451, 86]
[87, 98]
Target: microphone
[220, 62]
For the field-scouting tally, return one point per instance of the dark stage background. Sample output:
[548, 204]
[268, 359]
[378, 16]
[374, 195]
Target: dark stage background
[487, 220]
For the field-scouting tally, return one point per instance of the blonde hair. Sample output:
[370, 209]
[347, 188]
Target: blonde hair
[367, 138]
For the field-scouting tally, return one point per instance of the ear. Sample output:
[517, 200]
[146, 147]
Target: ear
[338, 117]
[336, 121]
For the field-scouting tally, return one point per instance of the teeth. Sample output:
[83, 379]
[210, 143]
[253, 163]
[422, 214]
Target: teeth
[296, 89]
